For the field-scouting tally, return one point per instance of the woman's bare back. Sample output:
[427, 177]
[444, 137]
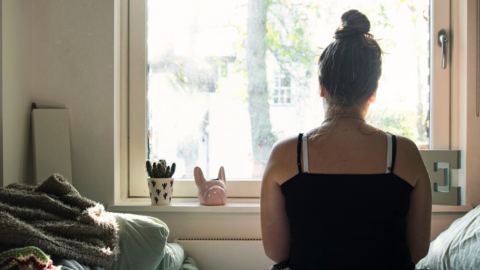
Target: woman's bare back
[350, 147]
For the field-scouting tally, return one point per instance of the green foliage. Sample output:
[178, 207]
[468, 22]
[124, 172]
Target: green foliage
[402, 123]
[160, 169]
[288, 41]
[288, 37]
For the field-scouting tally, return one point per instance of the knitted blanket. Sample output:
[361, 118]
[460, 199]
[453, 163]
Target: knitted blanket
[26, 258]
[57, 219]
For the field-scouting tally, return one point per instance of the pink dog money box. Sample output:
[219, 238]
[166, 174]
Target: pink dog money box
[211, 192]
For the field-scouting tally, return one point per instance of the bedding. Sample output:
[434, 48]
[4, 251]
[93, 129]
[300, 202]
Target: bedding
[25, 258]
[458, 247]
[73, 265]
[55, 218]
[189, 264]
[79, 234]
[143, 244]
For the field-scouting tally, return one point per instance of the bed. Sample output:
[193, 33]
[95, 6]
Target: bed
[457, 248]
[52, 225]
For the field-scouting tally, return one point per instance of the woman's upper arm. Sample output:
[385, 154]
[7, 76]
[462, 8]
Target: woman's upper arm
[420, 212]
[274, 220]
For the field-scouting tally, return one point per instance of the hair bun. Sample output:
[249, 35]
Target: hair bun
[353, 23]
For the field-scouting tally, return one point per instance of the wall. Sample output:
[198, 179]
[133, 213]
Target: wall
[16, 91]
[1, 103]
[469, 123]
[60, 54]
[243, 225]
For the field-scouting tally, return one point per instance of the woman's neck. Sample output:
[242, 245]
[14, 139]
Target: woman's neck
[350, 112]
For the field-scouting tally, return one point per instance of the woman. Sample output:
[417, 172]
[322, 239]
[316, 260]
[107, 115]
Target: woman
[346, 195]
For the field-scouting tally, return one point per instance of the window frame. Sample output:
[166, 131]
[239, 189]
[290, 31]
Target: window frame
[278, 76]
[440, 116]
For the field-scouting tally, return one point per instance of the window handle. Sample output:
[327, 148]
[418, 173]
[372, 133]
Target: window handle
[442, 42]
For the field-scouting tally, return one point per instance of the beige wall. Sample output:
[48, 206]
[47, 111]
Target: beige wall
[1, 103]
[16, 90]
[60, 54]
[242, 225]
[469, 123]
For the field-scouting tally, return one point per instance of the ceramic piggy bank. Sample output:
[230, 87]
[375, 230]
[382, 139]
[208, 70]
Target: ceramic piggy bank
[211, 192]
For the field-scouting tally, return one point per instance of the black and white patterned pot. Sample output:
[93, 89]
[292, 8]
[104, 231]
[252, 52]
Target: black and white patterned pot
[161, 190]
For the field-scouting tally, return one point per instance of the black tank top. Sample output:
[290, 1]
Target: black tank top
[346, 221]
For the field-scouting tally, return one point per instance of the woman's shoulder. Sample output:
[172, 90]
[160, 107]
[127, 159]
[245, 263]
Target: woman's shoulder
[406, 145]
[284, 145]
[408, 162]
[282, 162]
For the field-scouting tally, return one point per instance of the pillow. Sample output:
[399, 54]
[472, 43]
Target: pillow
[143, 244]
[458, 247]
[189, 264]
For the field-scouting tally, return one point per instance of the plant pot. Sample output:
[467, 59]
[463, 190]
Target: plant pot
[161, 190]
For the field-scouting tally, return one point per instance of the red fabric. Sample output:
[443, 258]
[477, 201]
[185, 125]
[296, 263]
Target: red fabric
[28, 261]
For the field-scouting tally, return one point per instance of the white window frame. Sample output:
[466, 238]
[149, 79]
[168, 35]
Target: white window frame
[439, 78]
[440, 117]
[277, 78]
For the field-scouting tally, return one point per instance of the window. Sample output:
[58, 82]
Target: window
[191, 68]
[282, 89]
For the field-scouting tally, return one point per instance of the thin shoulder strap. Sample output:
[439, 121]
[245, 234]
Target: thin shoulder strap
[389, 153]
[305, 154]
[299, 150]
[394, 151]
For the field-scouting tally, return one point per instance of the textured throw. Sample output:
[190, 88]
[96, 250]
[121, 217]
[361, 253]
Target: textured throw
[57, 219]
[29, 258]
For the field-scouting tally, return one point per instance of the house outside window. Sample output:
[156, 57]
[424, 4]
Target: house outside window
[282, 91]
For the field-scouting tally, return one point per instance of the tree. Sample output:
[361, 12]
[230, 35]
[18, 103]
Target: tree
[267, 32]
[415, 14]
[258, 105]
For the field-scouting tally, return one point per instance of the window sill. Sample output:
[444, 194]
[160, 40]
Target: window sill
[451, 208]
[243, 206]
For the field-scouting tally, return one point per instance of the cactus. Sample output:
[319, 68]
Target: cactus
[157, 173]
[149, 168]
[162, 163]
[172, 171]
[160, 169]
[167, 172]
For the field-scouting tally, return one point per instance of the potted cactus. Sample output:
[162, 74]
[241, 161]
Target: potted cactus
[160, 182]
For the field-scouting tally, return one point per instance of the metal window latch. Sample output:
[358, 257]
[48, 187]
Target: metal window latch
[442, 42]
[445, 166]
[440, 164]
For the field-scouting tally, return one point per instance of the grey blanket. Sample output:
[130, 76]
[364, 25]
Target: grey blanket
[57, 219]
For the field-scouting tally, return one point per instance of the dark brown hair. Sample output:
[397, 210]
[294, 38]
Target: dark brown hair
[350, 66]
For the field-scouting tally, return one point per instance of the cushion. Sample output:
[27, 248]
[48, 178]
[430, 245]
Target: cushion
[143, 245]
[189, 264]
[458, 247]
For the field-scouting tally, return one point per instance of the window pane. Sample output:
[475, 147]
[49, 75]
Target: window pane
[285, 82]
[201, 66]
